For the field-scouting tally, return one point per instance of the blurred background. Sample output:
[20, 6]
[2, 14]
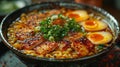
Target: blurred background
[112, 6]
[8, 6]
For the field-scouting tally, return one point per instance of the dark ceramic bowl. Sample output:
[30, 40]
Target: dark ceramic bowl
[50, 61]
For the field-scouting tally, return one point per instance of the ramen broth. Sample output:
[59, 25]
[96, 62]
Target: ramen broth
[60, 33]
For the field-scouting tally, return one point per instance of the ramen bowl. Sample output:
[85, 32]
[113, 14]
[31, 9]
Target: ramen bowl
[45, 61]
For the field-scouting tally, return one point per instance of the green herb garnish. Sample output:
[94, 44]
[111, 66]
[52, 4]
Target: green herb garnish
[101, 46]
[55, 32]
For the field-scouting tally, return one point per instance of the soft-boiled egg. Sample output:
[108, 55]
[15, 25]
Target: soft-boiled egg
[94, 25]
[99, 37]
[78, 15]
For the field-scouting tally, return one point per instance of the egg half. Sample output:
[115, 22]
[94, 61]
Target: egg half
[99, 37]
[94, 25]
[78, 15]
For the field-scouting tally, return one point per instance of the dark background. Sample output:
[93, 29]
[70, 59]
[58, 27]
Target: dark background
[108, 5]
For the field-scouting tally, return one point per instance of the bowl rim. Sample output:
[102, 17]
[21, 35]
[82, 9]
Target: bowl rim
[54, 59]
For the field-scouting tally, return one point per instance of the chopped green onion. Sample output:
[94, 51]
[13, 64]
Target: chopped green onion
[101, 46]
[53, 32]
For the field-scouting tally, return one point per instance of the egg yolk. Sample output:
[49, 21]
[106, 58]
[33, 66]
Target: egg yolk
[96, 37]
[90, 24]
[74, 15]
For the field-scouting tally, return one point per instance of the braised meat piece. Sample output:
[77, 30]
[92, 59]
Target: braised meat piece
[46, 47]
[30, 43]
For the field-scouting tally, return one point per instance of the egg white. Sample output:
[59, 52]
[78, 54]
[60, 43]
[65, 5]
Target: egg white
[107, 37]
[97, 26]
